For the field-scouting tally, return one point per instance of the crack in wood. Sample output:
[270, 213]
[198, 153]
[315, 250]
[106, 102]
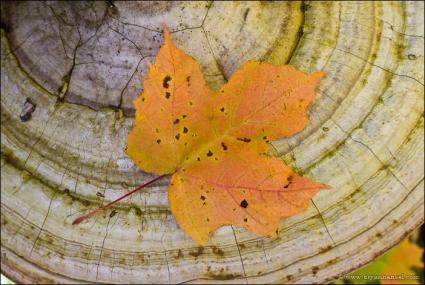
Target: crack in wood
[240, 255]
[42, 225]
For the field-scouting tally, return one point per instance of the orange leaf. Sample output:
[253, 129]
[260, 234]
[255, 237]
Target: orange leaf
[401, 260]
[215, 143]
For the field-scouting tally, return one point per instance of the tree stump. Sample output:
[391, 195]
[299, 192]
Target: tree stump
[69, 73]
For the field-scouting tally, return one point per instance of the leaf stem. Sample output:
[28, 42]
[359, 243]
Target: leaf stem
[82, 218]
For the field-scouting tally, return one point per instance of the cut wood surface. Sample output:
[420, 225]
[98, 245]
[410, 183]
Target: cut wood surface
[69, 74]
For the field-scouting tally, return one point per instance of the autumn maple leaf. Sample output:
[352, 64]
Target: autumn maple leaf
[214, 144]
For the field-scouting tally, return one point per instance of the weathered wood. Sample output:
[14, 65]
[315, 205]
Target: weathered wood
[82, 64]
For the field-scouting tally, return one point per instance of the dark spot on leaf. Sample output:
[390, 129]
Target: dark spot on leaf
[100, 194]
[265, 137]
[157, 130]
[245, 220]
[315, 269]
[176, 121]
[190, 103]
[208, 220]
[325, 129]
[223, 146]
[290, 177]
[167, 95]
[244, 203]
[202, 197]
[143, 99]
[185, 144]
[177, 136]
[204, 204]
[165, 81]
[222, 109]
[112, 213]
[234, 209]
[215, 158]
[287, 185]
[184, 116]
[209, 153]
[158, 141]
[247, 140]
[198, 159]
[185, 130]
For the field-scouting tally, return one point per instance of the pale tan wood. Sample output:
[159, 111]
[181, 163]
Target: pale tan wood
[82, 64]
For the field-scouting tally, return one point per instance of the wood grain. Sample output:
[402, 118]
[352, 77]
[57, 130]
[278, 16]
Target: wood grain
[82, 64]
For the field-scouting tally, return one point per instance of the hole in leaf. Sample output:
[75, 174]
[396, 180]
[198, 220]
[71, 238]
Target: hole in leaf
[223, 146]
[165, 81]
[244, 203]
[247, 140]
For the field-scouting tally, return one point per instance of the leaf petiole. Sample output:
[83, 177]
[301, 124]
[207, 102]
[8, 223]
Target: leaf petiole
[82, 218]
